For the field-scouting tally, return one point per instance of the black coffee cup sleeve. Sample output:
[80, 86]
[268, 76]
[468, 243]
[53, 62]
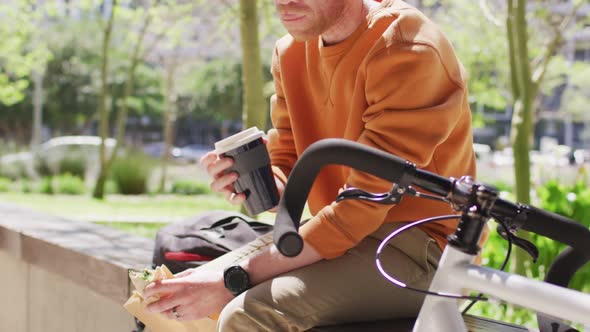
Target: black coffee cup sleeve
[251, 160]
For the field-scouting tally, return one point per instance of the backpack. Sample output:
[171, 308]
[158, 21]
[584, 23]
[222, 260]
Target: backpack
[200, 239]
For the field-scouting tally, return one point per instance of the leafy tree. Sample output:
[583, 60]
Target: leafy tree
[481, 49]
[509, 65]
[576, 97]
[218, 90]
[70, 82]
[17, 55]
[174, 66]
[160, 22]
[527, 74]
[259, 30]
[23, 54]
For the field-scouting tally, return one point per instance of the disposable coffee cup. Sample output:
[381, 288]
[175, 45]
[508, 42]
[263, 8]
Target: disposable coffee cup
[252, 163]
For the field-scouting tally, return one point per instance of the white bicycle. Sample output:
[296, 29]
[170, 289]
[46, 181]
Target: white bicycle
[455, 274]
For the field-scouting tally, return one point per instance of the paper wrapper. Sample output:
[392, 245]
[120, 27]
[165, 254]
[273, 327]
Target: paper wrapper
[155, 322]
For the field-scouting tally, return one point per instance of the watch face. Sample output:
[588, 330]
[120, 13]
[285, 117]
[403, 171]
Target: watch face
[236, 280]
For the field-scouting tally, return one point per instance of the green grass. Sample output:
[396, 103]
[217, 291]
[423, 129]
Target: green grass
[133, 210]
[119, 207]
[148, 230]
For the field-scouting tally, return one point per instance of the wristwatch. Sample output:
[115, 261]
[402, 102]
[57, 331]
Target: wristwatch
[236, 279]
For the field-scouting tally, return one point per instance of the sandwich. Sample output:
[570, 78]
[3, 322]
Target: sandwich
[142, 278]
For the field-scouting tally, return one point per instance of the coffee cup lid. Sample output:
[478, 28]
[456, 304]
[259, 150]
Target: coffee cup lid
[241, 138]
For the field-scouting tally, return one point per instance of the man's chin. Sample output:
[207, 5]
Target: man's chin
[304, 34]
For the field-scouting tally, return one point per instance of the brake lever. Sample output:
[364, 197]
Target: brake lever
[392, 197]
[525, 245]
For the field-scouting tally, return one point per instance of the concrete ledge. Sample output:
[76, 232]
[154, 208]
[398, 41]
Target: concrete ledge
[58, 266]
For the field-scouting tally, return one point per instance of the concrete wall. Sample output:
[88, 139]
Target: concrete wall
[63, 275]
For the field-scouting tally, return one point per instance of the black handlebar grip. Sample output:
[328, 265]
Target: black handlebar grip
[565, 265]
[285, 234]
[316, 156]
[545, 223]
[290, 243]
[558, 228]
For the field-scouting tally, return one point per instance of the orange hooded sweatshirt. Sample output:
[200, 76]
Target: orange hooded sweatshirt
[395, 84]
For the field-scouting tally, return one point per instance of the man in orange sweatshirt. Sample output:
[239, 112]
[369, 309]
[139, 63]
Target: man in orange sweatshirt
[380, 74]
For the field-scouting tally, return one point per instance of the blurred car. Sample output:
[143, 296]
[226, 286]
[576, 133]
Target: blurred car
[580, 156]
[156, 150]
[56, 149]
[194, 152]
[483, 152]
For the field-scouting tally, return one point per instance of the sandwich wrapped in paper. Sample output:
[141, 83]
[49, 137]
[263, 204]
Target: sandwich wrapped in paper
[155, 322]
[141, 279]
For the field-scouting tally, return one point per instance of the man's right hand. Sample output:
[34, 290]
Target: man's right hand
[223, 181]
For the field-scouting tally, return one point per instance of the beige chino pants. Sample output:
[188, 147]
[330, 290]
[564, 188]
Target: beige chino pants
[341, 290]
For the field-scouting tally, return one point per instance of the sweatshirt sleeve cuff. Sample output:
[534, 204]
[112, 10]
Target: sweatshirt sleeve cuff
[325, 237]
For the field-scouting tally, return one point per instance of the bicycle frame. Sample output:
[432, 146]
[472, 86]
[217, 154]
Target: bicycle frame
[455, 273]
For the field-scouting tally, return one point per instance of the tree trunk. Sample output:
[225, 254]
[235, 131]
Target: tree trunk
[169, 121]
[522, 118]
[122, 116]
[37, 111]
[255, 109]
[37, 118]
[103, 105]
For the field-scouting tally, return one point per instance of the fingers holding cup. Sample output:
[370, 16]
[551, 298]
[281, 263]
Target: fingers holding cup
[255, 186]
[224, 183]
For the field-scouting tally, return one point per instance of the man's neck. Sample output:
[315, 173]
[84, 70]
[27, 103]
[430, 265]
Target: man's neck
[351, 19]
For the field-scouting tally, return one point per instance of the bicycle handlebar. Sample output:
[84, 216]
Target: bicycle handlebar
[398, 170]
[318, 155]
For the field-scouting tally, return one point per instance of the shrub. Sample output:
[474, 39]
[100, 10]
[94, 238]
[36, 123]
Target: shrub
[69, 185]
[74, 164]
[14, 170]
[190, 187]
[46, 186]
[26, 186]
[572, 202]
[503, 186]
[131, 173]
[42, 167]
[110, 187]
[5, 184]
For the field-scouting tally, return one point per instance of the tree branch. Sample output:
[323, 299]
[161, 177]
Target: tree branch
[142, 33]
[521, 45]
[512, 50]
[542, 63]
[483, 5]
[130, 82]
[230, 6]
[159, 38]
